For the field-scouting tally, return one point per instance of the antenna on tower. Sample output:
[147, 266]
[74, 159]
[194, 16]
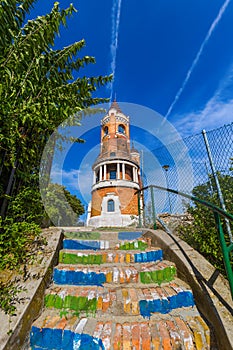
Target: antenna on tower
[115, 97]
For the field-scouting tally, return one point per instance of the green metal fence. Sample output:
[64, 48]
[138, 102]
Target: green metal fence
[199, 166]
[185, 164]
[226, 248]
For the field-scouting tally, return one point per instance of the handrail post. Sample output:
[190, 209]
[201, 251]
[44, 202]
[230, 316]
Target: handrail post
[225, 251]
[153, 207]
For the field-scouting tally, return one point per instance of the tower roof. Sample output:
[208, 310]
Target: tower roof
[133, 149]
[116, 106]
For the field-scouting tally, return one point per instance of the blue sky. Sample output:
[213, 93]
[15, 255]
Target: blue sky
[172, 57]
[157, 44]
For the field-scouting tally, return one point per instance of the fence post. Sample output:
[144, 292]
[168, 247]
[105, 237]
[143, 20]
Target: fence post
[220, 195]
[153, 207]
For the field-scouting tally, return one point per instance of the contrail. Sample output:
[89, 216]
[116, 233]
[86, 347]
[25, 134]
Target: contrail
[196, 60]
[116, 12]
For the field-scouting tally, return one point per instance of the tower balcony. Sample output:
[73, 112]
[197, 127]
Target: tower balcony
[118, 172]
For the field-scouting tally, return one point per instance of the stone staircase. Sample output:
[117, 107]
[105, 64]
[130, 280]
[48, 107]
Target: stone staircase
[111, 293]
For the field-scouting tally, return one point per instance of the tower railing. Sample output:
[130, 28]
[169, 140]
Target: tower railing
[227, 249]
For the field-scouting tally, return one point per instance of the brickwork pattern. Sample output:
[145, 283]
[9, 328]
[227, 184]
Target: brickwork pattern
[129, 202]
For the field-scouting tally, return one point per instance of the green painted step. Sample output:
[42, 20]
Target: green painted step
[133, 245]
[67, 256]
[82, 235]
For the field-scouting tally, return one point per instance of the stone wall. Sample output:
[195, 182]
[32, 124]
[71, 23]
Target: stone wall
[172, 221]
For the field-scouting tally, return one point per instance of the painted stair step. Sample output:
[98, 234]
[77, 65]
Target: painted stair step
[129, 235]
[139, 244]
[93, 235]
[132, 301]
[75, 244]
[94, 275]
[164, 299]
[53, 333]
[85, 244]
[78, 299]
[68, 333]
[110, 256]
[83, 235]
[162, 272]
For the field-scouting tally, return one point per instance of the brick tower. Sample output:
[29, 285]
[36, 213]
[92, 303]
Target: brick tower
[116, 174]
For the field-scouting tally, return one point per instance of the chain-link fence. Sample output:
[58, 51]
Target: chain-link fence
[185, 164]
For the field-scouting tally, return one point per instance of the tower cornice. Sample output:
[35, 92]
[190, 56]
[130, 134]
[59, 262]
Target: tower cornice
[109, 160]
[120, 117]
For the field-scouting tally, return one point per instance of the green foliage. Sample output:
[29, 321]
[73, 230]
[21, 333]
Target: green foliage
[9, 292]
[38, 92]
[62, 207]
[15, 242]
[37, 88]
[74, 202]
[202, 233]
[27, 206]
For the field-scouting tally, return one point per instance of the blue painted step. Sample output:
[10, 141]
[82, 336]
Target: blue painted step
[165, 305]
[148, 256]
[78, 277]
[52, 338]
[84, 244]
[129, 235]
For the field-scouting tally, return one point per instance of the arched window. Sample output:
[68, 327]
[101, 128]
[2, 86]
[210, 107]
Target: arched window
[121, 129]
[106, 130]
[111, 205]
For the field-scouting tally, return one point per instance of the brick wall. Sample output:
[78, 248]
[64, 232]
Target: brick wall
[129, 201]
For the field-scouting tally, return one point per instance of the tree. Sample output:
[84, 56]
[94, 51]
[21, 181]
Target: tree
[37, 93]
[202, 234]
[62, 207]
[37, 90]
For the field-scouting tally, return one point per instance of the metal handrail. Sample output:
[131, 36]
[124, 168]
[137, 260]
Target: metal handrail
[226, 250]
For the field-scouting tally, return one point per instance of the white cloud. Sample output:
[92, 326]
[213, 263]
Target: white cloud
[198, 56]
[215, 114]
[217, 111]
[65, 178]
[116, 12]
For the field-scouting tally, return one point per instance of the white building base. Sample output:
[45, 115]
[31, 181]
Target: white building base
[112, 220]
